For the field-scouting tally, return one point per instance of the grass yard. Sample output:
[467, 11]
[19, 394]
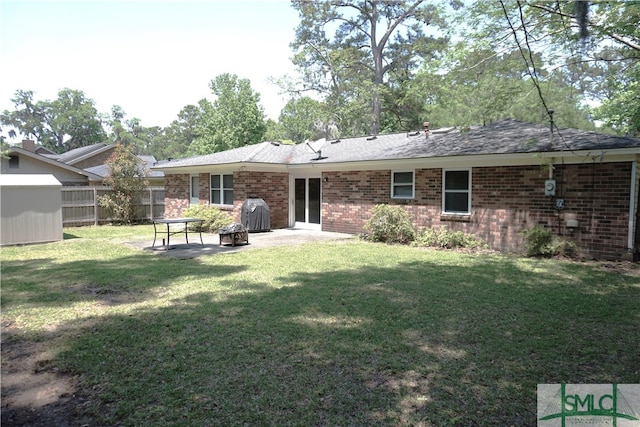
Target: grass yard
[330, 334]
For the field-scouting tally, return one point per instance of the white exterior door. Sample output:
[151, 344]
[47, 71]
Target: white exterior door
[194, 190]
[306, 202]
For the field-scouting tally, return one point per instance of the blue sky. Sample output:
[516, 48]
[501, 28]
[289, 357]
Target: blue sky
[150, 57]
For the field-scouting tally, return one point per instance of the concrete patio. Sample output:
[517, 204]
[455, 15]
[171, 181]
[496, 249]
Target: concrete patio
[287, 236]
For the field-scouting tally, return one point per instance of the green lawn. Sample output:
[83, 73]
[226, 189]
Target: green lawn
[332, 334]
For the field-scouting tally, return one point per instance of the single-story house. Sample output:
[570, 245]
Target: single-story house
[493, 181]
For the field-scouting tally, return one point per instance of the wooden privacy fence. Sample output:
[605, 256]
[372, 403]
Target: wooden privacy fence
[80, 205]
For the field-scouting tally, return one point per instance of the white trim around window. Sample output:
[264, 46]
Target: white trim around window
[403, 184]
[456, 191]
[221, 186]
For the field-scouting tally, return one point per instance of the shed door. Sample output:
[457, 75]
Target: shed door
[307, 202]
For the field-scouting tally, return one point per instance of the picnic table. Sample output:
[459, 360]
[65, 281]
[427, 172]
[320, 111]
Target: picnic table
[175, 221]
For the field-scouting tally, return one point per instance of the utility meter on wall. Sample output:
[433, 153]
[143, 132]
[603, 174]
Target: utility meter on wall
[550, 187]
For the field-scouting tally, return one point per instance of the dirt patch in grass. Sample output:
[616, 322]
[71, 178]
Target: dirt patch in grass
[34, 393]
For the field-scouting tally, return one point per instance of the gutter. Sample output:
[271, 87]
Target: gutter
[632, 206]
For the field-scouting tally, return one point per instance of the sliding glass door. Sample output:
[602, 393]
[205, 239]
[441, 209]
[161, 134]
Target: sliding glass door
[307, 202]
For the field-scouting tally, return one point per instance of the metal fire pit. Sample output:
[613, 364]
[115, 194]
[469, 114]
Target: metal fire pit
[233, 234]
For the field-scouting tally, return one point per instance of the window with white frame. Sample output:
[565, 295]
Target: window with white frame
[402, 185]
[456, 191]
[221, 189]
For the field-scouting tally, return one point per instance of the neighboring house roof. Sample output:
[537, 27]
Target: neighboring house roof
[81, 153]
[149, 161]
[506, 137]
[90, 176]
[44, 151]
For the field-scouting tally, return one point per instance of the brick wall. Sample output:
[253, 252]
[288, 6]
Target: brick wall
[505, 201]
[204, 188]
[176, 194]
[273, 188]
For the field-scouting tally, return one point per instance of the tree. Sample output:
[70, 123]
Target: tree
[621, 112]
[127, 180]
[593, 45]
[67, 122]
[234, 119]
[482, 86]
[178, 136]
[376, 45]
[301, 119]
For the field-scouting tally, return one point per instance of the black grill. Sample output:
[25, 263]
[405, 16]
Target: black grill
[255, 215]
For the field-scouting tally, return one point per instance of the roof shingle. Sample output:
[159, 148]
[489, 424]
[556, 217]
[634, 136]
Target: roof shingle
[504, 137]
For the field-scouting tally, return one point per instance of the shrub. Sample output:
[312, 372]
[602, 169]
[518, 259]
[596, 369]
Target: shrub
[214, 218]
[390, 224]
[441, 237]
[126, 179]
[542, 242]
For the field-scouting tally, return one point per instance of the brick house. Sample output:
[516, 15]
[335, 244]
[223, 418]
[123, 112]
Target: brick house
[493, 181]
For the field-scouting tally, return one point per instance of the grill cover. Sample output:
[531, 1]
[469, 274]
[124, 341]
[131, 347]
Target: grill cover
[255, 215]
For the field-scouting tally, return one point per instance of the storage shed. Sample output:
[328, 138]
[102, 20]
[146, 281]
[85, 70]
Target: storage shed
[31, 209]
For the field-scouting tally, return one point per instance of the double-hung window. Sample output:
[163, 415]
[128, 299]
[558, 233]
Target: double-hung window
[402, 185]
[456, 192]
[222, 189]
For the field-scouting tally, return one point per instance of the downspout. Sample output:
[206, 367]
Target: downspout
[632, 206]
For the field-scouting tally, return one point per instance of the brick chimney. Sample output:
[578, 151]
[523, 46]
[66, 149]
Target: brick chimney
[425, 126]
[29, 145]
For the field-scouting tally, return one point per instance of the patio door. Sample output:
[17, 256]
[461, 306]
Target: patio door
[194, 190]
[307, 202]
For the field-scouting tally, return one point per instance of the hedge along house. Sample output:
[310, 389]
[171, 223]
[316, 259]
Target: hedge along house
[492, 181]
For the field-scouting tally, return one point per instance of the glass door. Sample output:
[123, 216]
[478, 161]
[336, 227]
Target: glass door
[307, 202]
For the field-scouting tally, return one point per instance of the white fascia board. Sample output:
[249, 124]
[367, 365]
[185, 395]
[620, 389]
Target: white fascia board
[482, 160]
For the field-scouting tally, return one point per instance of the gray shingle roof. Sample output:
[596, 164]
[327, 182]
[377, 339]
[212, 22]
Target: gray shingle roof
[76, 153]
[504, 137]
[264, 152]
[150, 161]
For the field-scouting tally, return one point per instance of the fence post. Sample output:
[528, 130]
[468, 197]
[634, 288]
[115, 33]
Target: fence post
[95, 205]
[151, 203]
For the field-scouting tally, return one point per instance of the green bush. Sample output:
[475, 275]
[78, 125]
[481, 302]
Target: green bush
[441, 237]
[214, 218]
[542, 242]
[390, 224]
